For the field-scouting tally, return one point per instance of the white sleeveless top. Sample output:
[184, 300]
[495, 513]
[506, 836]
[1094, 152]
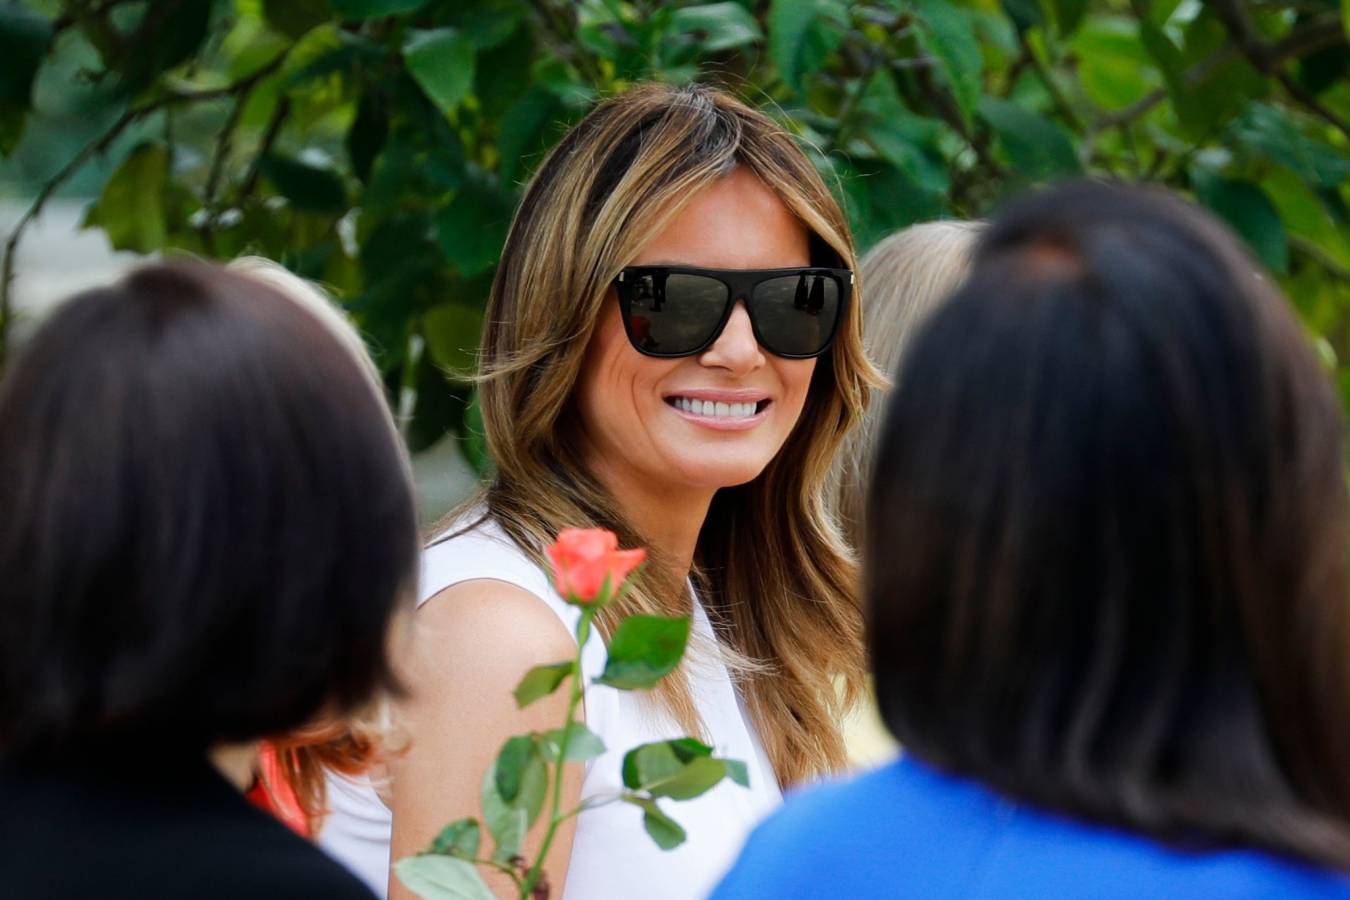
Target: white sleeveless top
[612, 856]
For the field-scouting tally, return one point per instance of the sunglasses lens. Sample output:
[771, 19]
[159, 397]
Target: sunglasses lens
[674, 313]
[796, 314]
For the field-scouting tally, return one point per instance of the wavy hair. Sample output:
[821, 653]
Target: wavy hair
[775, 578]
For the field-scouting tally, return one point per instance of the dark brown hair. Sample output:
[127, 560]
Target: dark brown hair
[207, 523]
[1106, 553]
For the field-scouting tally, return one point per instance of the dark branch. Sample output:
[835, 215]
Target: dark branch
[95, 147]
[1318, 34]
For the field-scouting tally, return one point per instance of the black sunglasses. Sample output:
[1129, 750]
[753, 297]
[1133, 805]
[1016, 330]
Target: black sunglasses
[671, 311]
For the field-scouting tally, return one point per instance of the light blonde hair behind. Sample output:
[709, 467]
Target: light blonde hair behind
[907, 274]
[776, 580]
[356, 744]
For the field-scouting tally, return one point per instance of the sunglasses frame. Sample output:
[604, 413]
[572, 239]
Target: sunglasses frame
[740, 284]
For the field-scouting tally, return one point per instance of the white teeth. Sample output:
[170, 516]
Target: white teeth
[714, 409]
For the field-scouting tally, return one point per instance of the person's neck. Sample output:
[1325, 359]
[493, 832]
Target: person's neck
[236, 762]
[670, 518]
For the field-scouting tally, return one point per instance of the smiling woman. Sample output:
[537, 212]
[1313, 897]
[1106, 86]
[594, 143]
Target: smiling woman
[670, 354]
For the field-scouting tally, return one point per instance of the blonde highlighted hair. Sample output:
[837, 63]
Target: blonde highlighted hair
[908, 274]
[773, 574]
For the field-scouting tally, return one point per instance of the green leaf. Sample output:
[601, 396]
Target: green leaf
[738, 772]
[521, 776]
[131, 208]
[1265, 130]
[1172, 65]
[499, 79]
[662, 829]
[902, 138]
[1112, 65]
[516, 755]
[1068, 15]
[1251, 214]
[441, 61]
[717, 26]
[881, 199]
[24, 39]
[949, 36]
[487, 23]
[443, 878]
[459, 838]
[161, 42]
[582, 745]
[452, 332]
[369, 9]
[1039, 148]
[324, 52]
[693, 780]
[650, 763]
[473, 227]
[521, 133]
[643, 650]
[306, 187]
[507, 824]
[800, 38]
[294, 18]
[541, 681]
[1228, 87]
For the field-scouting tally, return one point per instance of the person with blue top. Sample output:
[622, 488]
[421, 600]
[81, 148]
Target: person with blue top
[1106, 585]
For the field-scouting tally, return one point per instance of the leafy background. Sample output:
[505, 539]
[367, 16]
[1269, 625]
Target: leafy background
[380, 146]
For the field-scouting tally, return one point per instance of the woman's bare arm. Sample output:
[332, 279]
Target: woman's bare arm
[472, 644]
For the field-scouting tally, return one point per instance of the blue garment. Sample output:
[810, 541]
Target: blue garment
[907, 830]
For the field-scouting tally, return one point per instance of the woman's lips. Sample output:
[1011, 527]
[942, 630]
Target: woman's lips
[721, 410]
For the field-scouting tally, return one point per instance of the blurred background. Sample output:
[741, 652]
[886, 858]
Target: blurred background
[380, 146]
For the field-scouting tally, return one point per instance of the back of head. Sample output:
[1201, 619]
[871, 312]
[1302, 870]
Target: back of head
[1106, 533]
[208, 524]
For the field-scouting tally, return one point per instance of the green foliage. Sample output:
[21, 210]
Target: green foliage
[380, 146]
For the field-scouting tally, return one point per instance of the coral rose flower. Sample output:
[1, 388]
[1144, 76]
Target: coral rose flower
[586, 559]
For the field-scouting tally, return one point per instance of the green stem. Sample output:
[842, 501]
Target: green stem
[556, 814]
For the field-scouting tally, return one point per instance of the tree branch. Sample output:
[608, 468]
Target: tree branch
[264, 148]
[1318, 34]
[69, 19]
[1312, 104]
[95, 147]
[1056, 95]
[1270, 58]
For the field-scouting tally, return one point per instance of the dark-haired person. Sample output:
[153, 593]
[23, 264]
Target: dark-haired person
[207, 533]
[1106, 585]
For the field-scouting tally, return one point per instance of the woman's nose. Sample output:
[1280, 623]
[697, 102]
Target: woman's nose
[735, 349]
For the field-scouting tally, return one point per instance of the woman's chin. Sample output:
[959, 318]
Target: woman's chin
[722, 473]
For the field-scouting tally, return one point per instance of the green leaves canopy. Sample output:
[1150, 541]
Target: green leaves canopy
[380, 146]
